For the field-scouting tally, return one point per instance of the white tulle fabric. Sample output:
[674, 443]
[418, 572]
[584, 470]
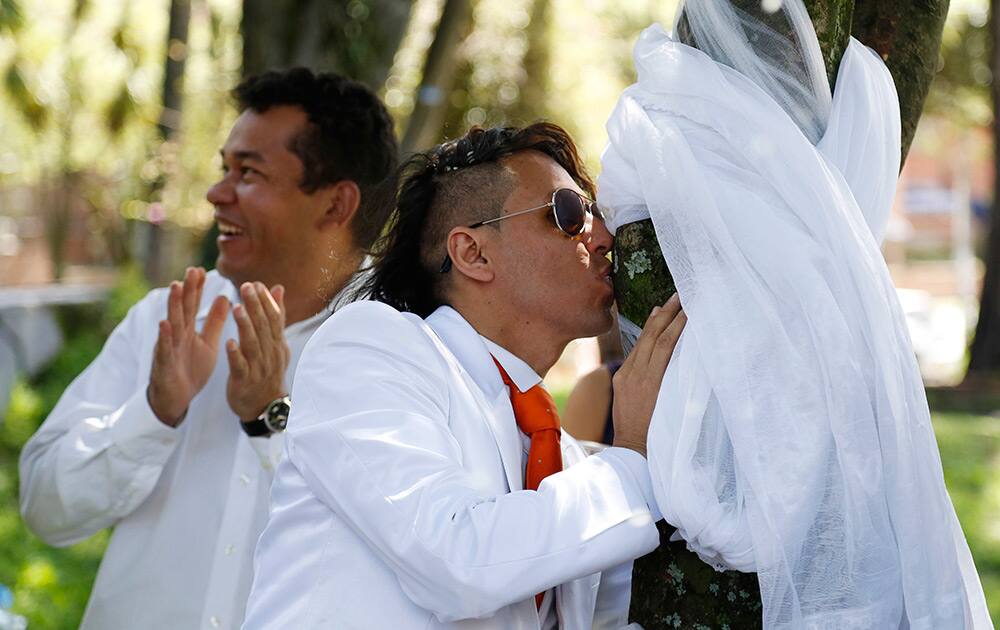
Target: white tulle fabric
[792, 435]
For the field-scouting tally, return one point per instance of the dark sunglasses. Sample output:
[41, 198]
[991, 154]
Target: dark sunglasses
[569, 209]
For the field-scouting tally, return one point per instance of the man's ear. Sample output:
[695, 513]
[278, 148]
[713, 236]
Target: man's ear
[465, 247]
[341, 203]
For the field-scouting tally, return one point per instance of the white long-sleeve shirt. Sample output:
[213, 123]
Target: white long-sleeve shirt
[187, 503]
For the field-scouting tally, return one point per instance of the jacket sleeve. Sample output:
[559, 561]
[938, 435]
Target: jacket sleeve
[100, 452]
[371, 436]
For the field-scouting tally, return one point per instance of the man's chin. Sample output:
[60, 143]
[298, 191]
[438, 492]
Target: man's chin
[232, 272]
[599, 324]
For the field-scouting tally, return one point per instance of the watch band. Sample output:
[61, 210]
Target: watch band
[256, 427]
[271, 420]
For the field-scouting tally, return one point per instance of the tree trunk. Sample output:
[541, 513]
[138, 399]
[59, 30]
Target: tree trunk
[167, 127]
[355, 38]
[424, 127]
[671, 587]
[984, 355]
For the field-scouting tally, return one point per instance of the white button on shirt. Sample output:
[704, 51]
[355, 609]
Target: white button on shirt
[187, 503]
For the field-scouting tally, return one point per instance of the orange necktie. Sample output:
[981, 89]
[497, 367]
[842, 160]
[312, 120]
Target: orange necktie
[537, 417]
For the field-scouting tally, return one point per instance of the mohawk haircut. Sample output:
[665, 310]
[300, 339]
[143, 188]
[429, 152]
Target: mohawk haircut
[460, 182]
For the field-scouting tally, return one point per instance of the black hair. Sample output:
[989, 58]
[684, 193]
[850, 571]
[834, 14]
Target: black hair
[406, 271]
[349, 136]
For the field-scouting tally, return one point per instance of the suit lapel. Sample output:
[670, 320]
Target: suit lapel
[462, 344]
[504, 428]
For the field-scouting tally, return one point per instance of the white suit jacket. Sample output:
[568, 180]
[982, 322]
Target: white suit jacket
[394, 506]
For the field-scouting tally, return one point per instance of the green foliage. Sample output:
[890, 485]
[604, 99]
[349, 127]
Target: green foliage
[24, 99]
[10, 16]
[130, 288]
[961, 88]
[81, 91]
[50, 585]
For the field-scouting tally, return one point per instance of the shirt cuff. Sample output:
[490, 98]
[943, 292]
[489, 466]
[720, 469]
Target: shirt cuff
[139, 433]
[269, 450]
[631, 465]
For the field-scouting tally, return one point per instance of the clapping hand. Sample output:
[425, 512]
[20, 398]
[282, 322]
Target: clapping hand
[258, 362]
[184, 358]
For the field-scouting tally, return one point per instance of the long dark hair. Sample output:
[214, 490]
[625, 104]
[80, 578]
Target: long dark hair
[401, 277]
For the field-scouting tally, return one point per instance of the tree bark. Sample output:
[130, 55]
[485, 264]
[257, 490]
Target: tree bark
[671, 587]
[908, 37]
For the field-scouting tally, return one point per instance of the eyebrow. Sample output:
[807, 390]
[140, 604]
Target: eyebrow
[243, 155]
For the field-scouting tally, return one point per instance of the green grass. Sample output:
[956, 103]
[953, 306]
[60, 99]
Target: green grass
[970, 454]
[51, 585]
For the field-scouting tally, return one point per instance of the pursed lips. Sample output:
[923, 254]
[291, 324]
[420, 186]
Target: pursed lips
[605, 273]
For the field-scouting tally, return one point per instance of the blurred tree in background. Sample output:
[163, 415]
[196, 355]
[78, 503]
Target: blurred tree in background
[357, 38]
[984, 355]
[87, 80]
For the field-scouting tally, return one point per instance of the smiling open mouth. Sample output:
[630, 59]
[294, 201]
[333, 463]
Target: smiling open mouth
[228, 229]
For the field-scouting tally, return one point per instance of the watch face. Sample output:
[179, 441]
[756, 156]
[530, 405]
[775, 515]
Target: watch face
[277, 415]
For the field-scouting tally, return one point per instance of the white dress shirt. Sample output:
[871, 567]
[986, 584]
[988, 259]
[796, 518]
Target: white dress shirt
[186, 503]
[400, 503]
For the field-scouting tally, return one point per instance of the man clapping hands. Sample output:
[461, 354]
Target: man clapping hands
[161, 438]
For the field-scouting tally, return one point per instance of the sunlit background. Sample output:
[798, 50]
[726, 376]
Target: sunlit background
[104, 164]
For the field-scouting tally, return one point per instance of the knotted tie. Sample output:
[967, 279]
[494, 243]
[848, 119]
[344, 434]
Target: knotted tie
[537, 417]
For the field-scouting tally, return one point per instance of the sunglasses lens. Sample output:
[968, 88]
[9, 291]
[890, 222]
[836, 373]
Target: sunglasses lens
[570, 211]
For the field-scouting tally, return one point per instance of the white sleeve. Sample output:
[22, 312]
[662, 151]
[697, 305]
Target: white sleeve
[100, 452]
[269, 451]
[371, 437]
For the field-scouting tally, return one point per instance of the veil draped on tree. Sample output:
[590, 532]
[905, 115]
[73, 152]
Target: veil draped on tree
[792, 435]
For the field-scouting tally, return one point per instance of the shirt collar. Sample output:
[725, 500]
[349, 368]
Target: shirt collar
[473, 351]
[520, 372]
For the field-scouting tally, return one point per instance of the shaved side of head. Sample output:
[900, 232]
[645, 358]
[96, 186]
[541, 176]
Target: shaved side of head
[464, 197]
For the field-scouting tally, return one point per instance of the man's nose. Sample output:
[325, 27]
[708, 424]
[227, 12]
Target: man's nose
[220, 193]
[601, 240]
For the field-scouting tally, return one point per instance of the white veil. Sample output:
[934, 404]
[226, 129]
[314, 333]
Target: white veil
[792, 435]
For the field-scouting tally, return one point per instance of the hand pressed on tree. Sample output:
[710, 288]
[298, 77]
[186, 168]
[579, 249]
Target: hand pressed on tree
[183, 358]
[258, 362]
[637, 382]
